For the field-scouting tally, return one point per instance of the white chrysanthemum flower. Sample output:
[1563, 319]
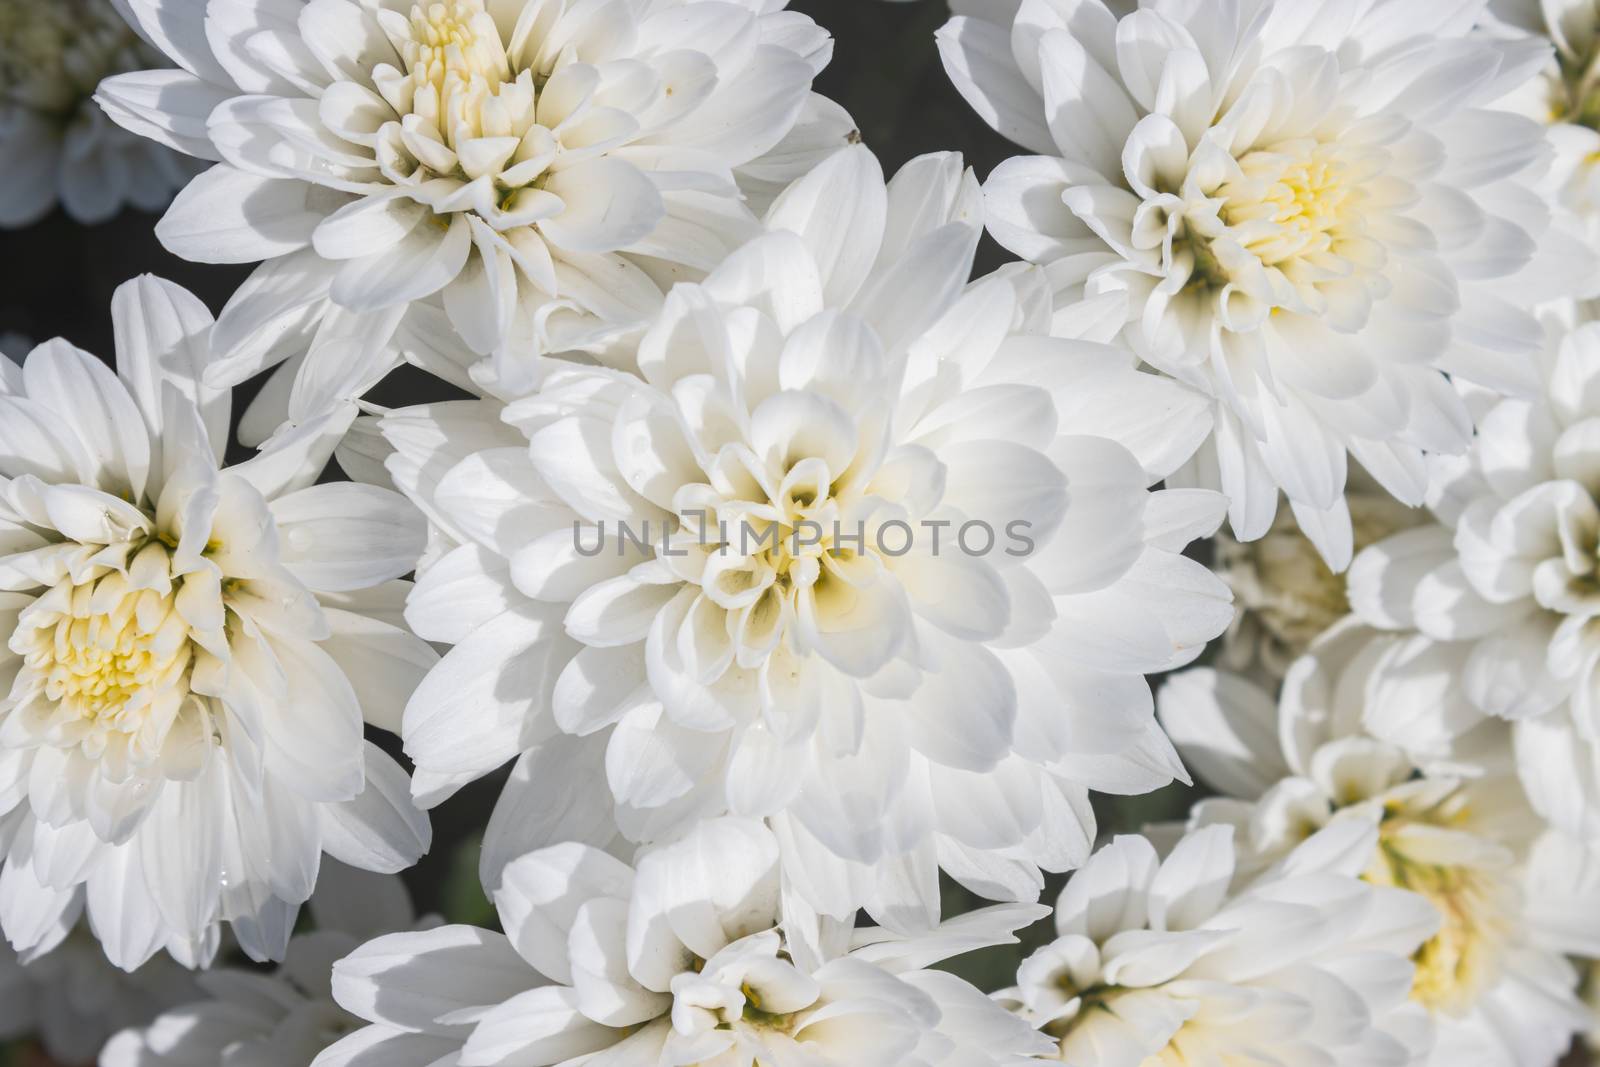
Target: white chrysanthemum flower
[282, 1019]
[502, 159]
[1341, 748]
[857, 548]
[1307, 210]
[72, 999]
[189, 652]
[1566, 96]
[59, 145]
[1284, 593]
[1171, 962]
[679, 959]
[1506, 577]
[1564, 881]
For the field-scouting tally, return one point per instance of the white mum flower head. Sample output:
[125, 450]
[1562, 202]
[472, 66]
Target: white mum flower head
[60, 146]
[72, 999]
[1284, 593]
[1306, 210]
[190, 652]
[857, 548]
[1566, 96]
[500, 161]
[681, 958]
[1170, 961]
[285, 1018]
[1562, 880]
[1350, 741]
[1504, 577]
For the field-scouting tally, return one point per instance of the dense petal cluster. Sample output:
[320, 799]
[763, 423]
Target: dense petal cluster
[851, 546]
[1309, 211]
[59, 145]
[504, 162]
[191, 652]
[680, 958]
[1355, 739]
[1504, 578]
[1170, 961]
[807, 581]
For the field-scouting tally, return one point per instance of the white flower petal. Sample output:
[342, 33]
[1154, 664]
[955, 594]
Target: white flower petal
[417, 981]
[345, 536]
[229, 216]
[497, 679]
[977, 56]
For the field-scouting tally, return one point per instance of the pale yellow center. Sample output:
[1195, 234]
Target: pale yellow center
[796, 541]
[1574, 89]
[110, 653]
[458, 64]
[1293, 203]
[454, 40]
[1456, 965]
[754, 1014]
[34, 34]
[54, 53]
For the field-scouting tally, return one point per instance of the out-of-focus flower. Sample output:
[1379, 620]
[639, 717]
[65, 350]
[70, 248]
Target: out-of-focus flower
[59, 146]
[72, 999]
[1505, 579]
[853, 546]
[1284, 594]
[1354, 739]
[282, 1019]
[1169, 961]
[190, 650]
[1566, 96]
[1309, 211]
[682, 958]
[513, 166]
[1564, 880]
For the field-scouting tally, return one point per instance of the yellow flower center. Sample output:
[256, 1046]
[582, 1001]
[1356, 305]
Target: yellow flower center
[755, 1015]
[1456, 965]
[52, 55]
[458, 64]
[1574, 87]
[454, 42]
[106, 653]
[1296, 202]
[446, 33]
[467, 116]
[34, 37]
[773, 548]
